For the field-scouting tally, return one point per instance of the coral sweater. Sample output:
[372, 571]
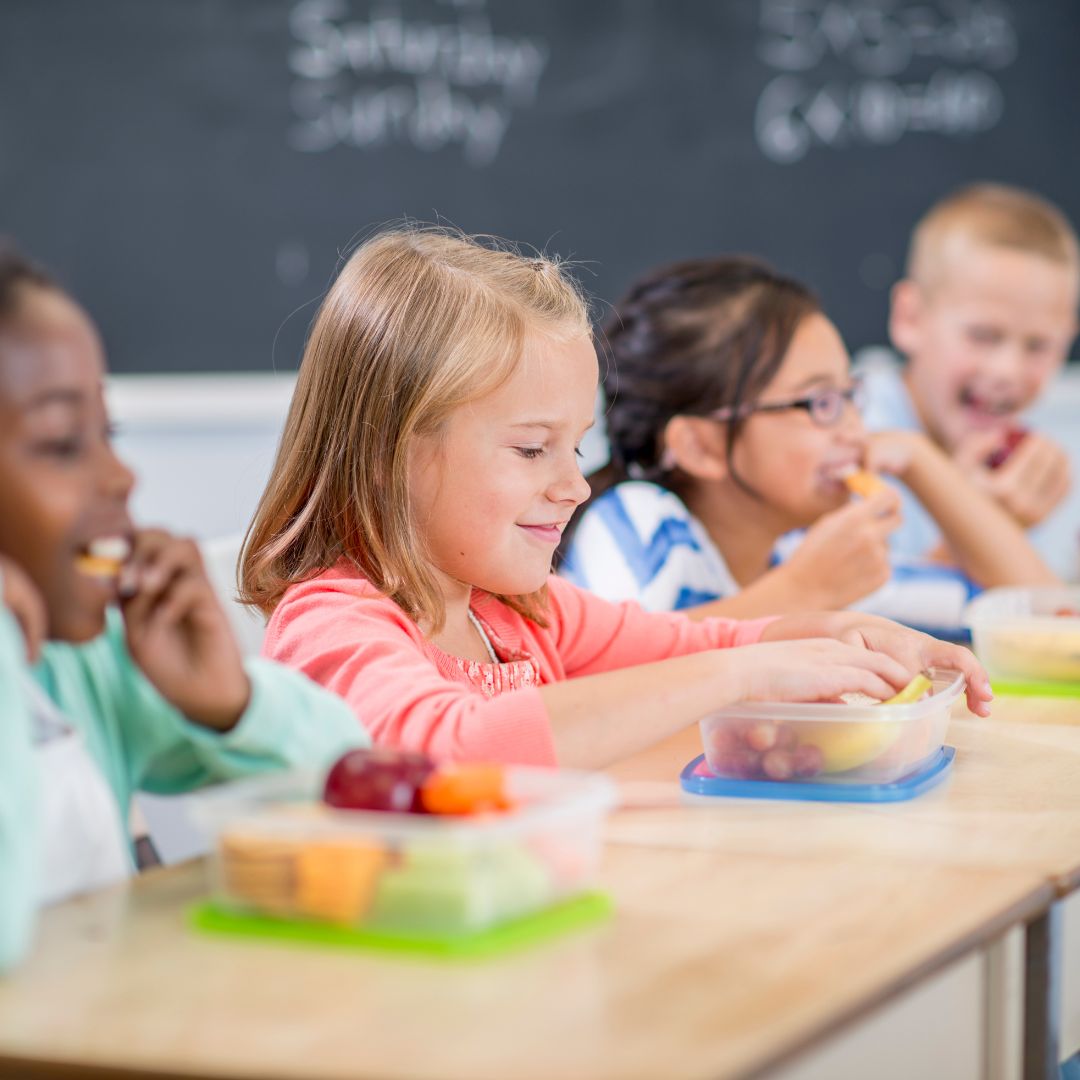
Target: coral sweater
[340, 632]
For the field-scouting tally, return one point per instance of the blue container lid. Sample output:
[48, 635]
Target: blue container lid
[697, 780]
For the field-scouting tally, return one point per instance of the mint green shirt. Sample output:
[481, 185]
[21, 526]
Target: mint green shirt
[140, 743]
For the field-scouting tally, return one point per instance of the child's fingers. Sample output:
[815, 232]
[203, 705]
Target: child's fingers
[948, 657]
[158, 561]
[894, 667]
[860, 680]
[185, 595]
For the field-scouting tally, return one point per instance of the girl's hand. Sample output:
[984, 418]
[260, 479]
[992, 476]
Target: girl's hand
[24, 601]
[845, 553]
[814, 669]
[894, 453]
[914, 650]
[177, 632]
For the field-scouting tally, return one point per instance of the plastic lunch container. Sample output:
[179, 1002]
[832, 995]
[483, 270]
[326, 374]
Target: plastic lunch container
[281, 852]
[830, 742]
[1027, 634]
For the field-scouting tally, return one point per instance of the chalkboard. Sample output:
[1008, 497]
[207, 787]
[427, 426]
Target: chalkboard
[192, 169]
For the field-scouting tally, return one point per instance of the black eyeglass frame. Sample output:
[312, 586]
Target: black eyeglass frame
[849, 395]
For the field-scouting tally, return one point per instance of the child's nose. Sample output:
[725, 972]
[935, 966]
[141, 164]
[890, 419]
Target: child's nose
[571, 486]
[1007, 361]
[117, 478]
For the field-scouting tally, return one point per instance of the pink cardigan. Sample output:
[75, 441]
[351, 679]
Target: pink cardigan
[408, 693]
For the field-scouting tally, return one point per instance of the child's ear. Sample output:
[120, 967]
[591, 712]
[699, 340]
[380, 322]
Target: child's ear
[697, 446]
[905, 311]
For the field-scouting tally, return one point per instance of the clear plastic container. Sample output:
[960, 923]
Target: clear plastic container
[1027, 634]
[830, 743]
[280, 851]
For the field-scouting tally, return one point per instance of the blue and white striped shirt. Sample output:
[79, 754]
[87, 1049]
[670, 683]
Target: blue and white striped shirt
[639, 541]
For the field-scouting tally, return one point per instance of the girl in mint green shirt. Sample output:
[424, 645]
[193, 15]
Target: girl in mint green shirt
[97, 703]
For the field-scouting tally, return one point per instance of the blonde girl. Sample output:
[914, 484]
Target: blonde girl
[402, 549]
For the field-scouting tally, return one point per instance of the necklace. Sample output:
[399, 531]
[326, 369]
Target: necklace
[483, 636]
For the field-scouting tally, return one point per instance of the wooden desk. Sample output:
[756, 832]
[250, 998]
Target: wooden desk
[717, 967]
[1013, 802]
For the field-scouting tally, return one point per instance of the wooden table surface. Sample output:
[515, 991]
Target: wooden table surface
[1012, 802]
[744, 932]
[711, 967]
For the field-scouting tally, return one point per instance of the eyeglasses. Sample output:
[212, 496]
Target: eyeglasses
[826, 407]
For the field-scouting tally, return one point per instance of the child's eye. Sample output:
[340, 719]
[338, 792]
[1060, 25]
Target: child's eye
[65, 448]
[577, 452]
[530, 452]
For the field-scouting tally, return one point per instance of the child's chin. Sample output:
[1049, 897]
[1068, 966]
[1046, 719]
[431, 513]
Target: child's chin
[77, 626]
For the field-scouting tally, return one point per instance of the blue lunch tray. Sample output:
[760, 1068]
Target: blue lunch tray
[697, 780]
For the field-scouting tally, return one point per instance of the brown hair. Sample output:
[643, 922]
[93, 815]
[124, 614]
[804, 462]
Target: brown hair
[688, 339]
[995, 215]
[419, 321]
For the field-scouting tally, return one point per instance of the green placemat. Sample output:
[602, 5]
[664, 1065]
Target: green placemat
[1032, 688]
[583, 910]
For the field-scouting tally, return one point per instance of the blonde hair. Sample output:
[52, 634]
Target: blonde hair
[420, 321]
[994, 215]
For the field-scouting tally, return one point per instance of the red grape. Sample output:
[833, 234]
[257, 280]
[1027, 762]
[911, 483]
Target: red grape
[377, 780]
[778, 765]
[808, 760]
[761, 737]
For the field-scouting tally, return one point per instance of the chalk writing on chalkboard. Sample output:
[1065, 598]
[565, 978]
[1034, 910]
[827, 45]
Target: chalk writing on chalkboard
[878, 41]
[382, 78]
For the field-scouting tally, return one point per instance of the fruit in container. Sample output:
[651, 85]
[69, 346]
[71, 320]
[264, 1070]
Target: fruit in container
[465, 789]
[400, 781]
[844, 745]
[916, 689]
[377, 780]
[798, 750]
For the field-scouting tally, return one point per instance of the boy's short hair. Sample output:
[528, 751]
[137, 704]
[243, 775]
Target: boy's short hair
[994, 215]
[16, 272]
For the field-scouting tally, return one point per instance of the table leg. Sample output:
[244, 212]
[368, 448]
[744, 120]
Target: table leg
[1042, 995]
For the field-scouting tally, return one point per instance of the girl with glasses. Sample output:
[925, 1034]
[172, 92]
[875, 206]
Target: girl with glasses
[733, 421]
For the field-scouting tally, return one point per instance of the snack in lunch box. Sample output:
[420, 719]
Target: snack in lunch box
[774, 750]
[326, 879]
[1053, 655]
[103, 557]
[460, 888]
[465, 789]
[400, 781]
[377, 779]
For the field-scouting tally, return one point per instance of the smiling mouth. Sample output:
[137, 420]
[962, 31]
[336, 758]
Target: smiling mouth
[549, 533]
[987, 405]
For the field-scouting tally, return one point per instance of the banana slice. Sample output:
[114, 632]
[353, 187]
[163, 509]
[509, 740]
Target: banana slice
[911, 693]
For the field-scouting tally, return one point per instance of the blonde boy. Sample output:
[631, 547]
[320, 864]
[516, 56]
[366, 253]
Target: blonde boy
[985, 318]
